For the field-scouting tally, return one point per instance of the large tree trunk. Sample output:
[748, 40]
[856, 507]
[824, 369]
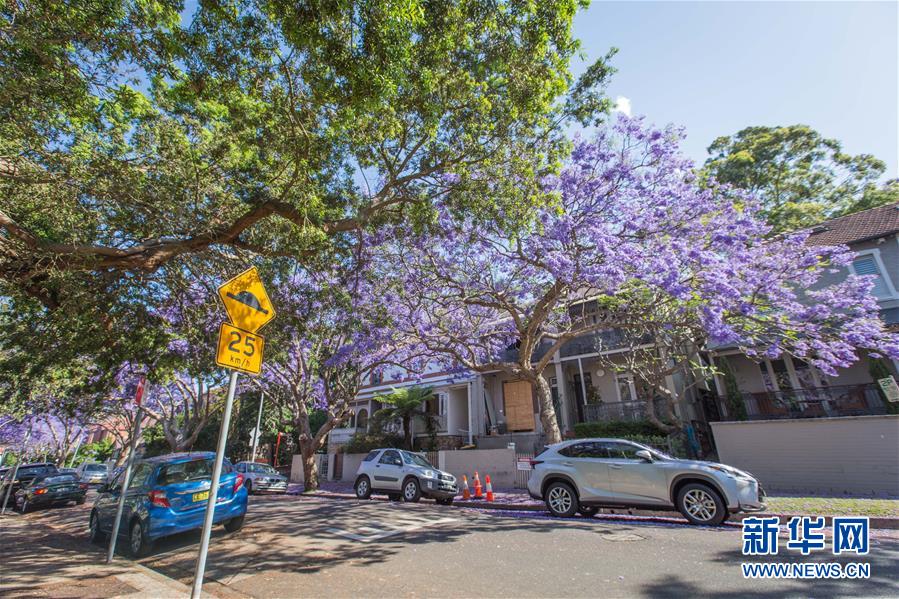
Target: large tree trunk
[547, 410]
[407, 431]
[310, 465]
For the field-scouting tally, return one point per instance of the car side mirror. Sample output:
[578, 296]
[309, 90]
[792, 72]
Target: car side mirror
[644, 455]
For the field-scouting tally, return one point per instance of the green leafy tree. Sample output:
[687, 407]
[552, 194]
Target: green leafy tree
[405, 405]
[801, 176]
[141, 150]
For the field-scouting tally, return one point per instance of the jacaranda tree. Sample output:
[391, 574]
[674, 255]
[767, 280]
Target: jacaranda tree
[334, 330]
[632, 231]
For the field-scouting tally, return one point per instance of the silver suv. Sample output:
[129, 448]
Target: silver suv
[403, 474]
[584, 475]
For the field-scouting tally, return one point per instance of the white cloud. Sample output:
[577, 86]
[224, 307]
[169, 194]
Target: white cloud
[623, 104]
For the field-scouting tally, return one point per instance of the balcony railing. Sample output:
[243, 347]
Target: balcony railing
[631, 411]
[818, 402]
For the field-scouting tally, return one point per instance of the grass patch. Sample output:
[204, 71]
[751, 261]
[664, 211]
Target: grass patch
[834, 506]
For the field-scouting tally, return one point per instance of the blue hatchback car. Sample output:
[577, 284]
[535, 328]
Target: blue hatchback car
[168, 495]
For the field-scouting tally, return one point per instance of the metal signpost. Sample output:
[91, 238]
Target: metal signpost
[75, 455]
[257, 432]
[240, 349]
[126, 476]
[15, 472]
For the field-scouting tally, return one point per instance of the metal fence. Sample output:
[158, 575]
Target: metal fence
[631, 411]
[522, 476]
[817, 402]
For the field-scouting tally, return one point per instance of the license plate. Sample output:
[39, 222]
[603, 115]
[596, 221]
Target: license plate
[203, 496]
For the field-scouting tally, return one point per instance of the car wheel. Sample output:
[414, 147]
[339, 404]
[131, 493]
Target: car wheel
[96, 536]
[249, 486]
[138, 543]
[411, 490]
[363, 487]
[700, 504]
[24, 507]
[80, 501]
[561, 500]
[235, 524]
[587, 511]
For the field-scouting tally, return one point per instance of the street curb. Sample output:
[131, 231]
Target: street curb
[877, 522]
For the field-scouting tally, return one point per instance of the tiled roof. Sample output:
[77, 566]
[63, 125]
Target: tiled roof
[867, 224]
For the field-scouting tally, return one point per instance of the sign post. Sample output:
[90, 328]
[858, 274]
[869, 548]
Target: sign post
[240, 349]
[75, 454]
[126, 476]
[257, 432]
[15, 471]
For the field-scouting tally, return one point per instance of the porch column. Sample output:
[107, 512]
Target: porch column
[470, 390]
[562, 386]
[719, 384]
[580, 368]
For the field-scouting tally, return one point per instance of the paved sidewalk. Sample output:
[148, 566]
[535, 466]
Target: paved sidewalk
[40, 561]
[519, 501]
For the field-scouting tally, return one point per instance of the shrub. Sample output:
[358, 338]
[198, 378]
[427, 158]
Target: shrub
[363, 443]
[615, 428]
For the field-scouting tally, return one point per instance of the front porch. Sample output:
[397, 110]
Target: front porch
[785, 388]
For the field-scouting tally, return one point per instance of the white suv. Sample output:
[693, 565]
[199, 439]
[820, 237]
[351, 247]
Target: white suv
[403, 474]
[586, 474]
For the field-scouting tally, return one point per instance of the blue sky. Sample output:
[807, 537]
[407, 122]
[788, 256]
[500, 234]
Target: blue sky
[716, 67]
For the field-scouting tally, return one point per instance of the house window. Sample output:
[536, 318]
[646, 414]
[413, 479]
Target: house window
[376, 378]
[868, 265]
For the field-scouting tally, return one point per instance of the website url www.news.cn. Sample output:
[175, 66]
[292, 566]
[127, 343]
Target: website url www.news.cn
[806, 571]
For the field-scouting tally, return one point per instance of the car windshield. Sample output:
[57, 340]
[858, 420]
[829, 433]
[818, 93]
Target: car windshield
[262, 468]
[414, 458]
[95, 468]
[172, 474]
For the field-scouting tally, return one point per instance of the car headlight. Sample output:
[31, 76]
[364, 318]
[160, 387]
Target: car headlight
[731, 472]
[428, 474]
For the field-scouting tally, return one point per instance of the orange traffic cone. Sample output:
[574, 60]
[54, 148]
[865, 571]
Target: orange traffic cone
[489, 488]
[466, 492]
[478, 493]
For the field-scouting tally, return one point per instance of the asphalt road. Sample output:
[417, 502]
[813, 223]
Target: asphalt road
[305, 547]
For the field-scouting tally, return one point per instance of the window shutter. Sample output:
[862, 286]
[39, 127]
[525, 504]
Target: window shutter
[866, 266]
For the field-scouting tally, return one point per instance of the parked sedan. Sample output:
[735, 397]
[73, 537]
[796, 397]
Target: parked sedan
[168, 495]
[23, 476]
[92, 473]
[405, 474]
[50, 490]
[586, 474]
[261, 478]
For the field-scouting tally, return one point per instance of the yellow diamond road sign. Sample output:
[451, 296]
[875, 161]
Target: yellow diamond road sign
[246, 301]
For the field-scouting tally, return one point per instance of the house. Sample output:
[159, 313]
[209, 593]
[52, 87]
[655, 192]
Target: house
[493, 410]
[786, 387]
